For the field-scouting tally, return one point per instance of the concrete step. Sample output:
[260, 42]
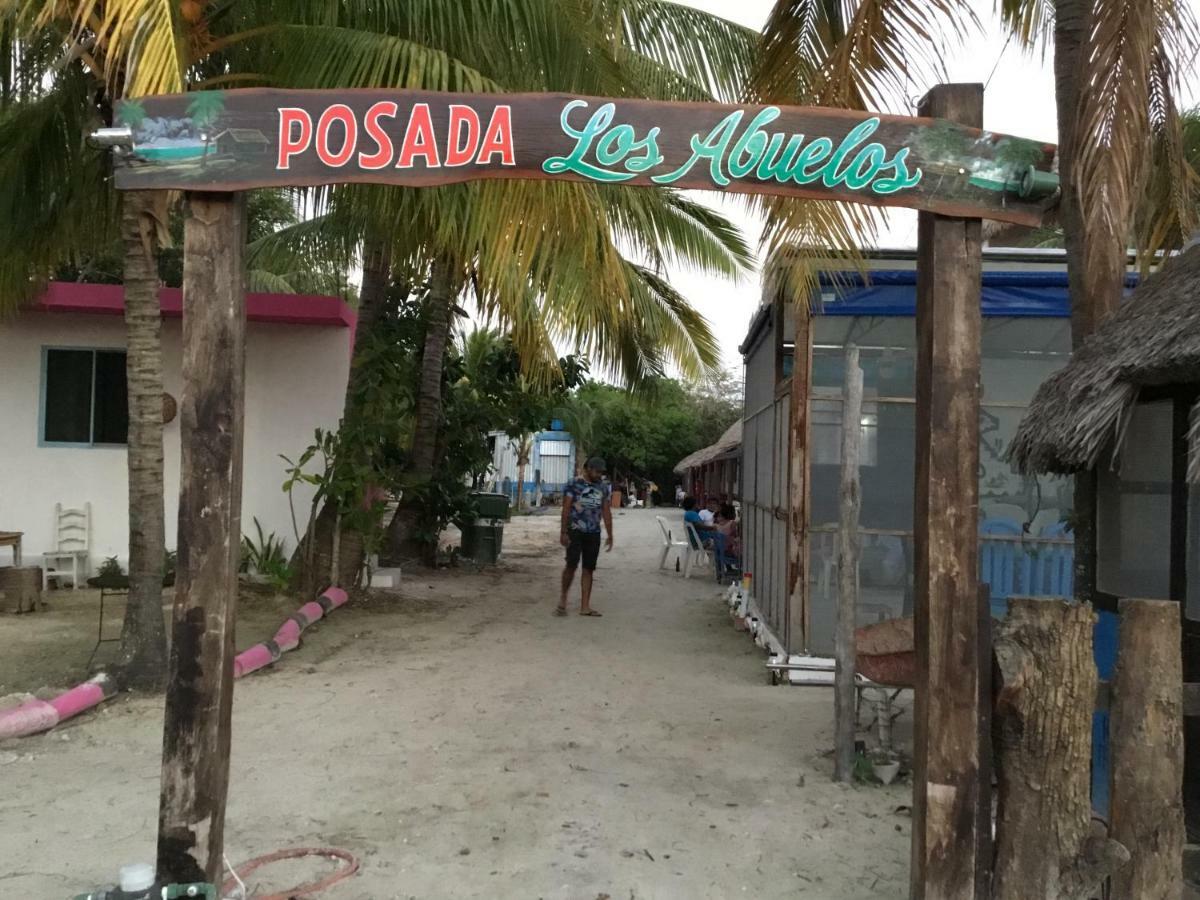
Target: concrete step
[388, 577]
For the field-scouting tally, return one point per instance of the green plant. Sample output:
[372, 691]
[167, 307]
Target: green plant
[110, 568]
[170, 562]
[266, 556]
[864, 770]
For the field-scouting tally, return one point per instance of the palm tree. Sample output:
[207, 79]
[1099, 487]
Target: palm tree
[64, 71]
[1123, 165]
[540, 257]
[1120, 148]
[89, 86]
[864, 55]
[524, 444]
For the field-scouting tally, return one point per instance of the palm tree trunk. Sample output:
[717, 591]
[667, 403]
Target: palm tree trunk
[428, 422]
[313, 558]
[1095, 289]
[520, 485]
[143, 635]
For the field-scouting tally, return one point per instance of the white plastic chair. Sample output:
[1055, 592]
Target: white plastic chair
[72, 546]
[696, 551]
[669, 543]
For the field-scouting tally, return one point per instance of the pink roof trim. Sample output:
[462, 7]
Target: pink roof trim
[285, 309]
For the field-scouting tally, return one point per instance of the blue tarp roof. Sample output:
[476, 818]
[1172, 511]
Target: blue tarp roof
[894, 293]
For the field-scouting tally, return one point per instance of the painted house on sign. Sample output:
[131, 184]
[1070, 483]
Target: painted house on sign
[64, 408]
[1026, 546]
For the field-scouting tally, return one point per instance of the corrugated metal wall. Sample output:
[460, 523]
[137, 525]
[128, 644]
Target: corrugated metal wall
[553, 454]
[556, 460]
[765, 482]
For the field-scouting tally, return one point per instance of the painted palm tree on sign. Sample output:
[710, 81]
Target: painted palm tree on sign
[205, 110]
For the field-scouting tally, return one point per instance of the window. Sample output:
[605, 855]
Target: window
[826, 433]
[84, 401]
[1133, 508]
[556, 448]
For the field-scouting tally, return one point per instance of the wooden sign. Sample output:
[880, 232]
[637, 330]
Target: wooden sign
[239, 139]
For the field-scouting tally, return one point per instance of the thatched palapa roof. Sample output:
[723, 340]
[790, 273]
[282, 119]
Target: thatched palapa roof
[728, 445]
[1153, 340]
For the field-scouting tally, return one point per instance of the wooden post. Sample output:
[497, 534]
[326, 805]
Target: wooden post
[947, 760]
[798, 626]
[1146, 737]
[844, 706]
[984, 845]
[196, 730]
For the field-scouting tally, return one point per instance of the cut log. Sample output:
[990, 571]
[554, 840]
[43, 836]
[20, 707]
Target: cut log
[1146, 737]
[1046, 689]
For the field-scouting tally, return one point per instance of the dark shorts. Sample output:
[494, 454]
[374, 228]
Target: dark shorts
[585, 544]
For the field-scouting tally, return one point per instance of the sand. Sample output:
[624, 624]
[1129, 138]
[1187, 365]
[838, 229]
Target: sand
[463, 742]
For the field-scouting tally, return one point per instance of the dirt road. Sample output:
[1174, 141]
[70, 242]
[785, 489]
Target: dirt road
[466, 743]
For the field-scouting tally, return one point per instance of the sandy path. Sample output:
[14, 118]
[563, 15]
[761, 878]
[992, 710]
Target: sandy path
[465, 743]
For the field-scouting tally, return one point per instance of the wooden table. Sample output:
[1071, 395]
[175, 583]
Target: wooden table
[12, 539]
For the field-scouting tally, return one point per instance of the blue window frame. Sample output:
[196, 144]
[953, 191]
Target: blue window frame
[84, 401]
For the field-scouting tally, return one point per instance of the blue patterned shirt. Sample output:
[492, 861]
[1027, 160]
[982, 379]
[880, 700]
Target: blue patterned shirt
[588, 499]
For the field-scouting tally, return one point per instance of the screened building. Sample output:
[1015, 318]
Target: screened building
[1025, 542]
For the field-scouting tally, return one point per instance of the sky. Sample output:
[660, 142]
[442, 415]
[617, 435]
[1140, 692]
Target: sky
[1019, 100]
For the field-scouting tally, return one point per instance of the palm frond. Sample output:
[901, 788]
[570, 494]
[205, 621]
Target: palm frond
[706, 51]
[1168, 205]
[142, 43]
[55, 201]
[1031, 22]
[327, 57]
[1133, 50]
[856, 54]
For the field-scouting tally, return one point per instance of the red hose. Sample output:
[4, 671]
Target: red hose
[296, 853]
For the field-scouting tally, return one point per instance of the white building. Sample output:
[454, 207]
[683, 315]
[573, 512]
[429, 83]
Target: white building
[63, 409]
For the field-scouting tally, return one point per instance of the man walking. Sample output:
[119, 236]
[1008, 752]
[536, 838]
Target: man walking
[585, 506]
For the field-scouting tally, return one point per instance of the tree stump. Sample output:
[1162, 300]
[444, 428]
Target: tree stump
[1045, 695]
[1147, 751]
[21, 587]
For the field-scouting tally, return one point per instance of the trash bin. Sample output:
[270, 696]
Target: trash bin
[483, 540]
[491, 506]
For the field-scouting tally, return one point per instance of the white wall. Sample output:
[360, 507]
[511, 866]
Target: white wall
[295, 382]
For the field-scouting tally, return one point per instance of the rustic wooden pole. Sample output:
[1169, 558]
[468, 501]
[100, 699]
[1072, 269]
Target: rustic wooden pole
[798, 626]
[984, 845]
[1146, 737]
[946, 744]
[1045, 846]
[196, 730]
[849, 502]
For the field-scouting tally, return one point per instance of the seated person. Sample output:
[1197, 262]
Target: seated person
[727, 524]
[709, 511]
[706, 531]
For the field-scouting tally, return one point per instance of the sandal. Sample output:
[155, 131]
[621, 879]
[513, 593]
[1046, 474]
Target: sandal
[592, 612]
[560, 610]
